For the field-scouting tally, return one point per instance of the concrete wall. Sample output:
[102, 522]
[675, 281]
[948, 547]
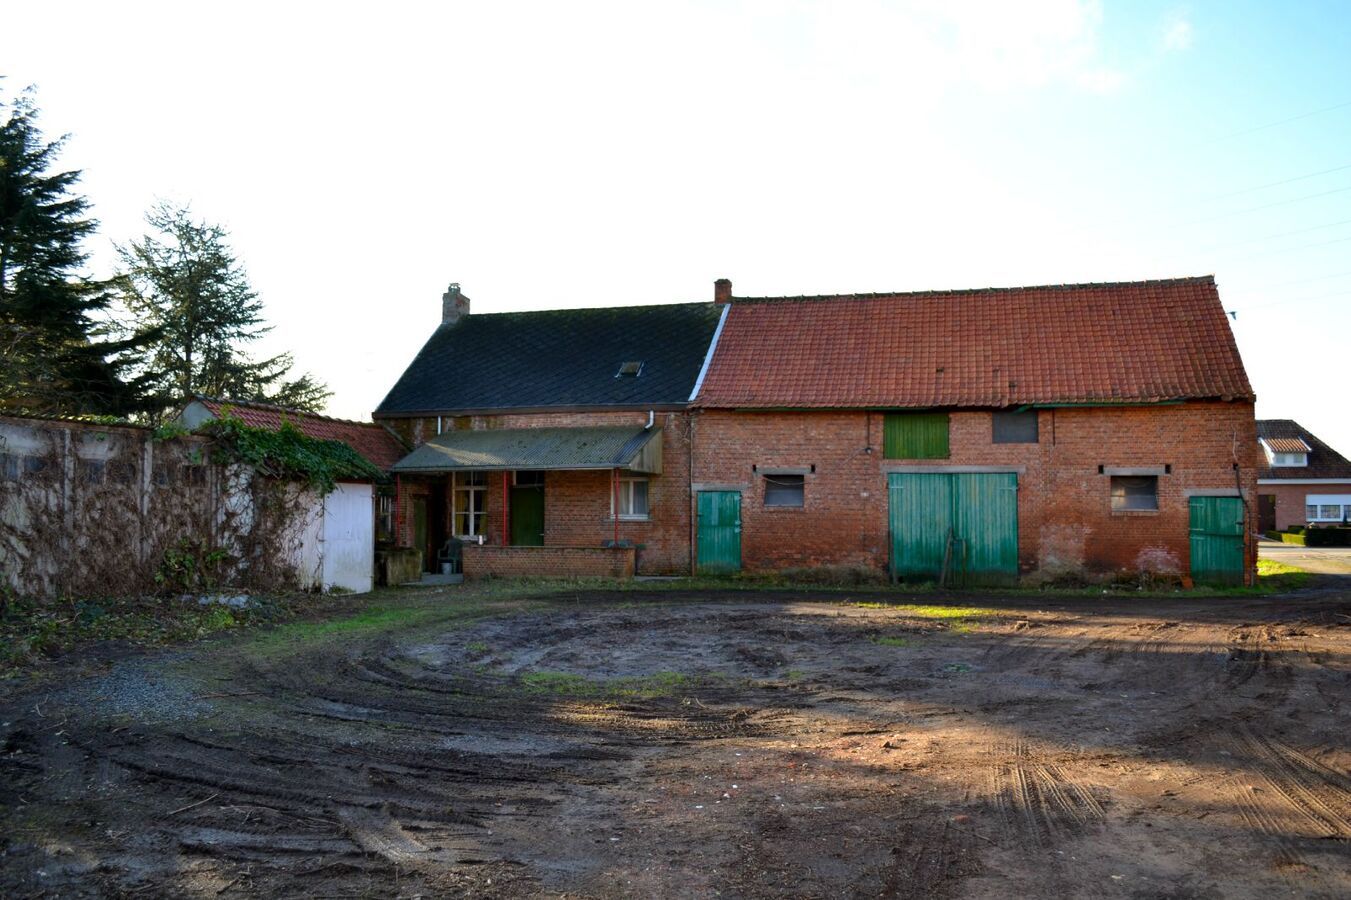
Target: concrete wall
[1064, 510]
[91, 509]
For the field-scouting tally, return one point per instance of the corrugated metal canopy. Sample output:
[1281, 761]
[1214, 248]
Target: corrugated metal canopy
[625, 447]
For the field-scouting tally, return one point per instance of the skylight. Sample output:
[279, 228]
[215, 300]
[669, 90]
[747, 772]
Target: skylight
[630, 369]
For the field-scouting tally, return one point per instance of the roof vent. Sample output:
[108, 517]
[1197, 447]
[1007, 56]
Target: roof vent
[629, 369]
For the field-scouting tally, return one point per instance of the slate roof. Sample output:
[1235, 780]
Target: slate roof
[1142, 341]
[557, 358]
[373, 442]
[514, 449]
[1324, 462]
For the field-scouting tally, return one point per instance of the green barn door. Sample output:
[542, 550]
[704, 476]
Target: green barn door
[527, 516]
[962, 525]
[719, 531]
[1217, 540]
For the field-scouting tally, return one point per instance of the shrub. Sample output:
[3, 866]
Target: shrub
[1327, 537]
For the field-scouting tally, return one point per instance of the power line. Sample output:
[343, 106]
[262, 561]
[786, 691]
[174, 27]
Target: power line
[1234, 134]
[1303, 247]
[1267, 287]
[1272, 237]
[1239, 309]
[1269, 184]
[1252, 209]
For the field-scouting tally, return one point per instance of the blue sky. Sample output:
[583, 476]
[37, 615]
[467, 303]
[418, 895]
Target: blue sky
[592, 154]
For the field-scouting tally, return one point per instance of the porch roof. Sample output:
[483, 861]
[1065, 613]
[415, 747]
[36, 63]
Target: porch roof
[524, 449]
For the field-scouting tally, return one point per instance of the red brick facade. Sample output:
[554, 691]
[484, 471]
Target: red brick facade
[577, 504]
[1065, 520]
[552, 562]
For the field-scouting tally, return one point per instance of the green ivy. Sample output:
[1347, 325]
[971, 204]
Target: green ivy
[288, 454]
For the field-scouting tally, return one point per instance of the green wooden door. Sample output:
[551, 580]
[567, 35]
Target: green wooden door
[960, 525]
[527, 516]
[719, 532]
[1216, 540]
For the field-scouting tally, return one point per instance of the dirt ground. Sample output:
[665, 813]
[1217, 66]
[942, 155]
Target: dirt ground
[746, 745]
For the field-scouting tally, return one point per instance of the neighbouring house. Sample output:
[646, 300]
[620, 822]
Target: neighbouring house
[1089, 428]
[550, 442]
[1300, 479]
[344, 527]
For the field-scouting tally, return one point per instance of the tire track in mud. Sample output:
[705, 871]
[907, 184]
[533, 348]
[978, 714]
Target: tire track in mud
[1039, 803]
[1317, 797]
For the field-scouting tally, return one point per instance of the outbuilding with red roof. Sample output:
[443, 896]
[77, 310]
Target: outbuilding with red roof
[978, 435]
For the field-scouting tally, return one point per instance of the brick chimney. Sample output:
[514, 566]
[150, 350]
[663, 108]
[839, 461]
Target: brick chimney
[453, 305]
[722, 290]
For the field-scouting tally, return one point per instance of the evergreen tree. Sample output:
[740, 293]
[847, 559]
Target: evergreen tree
[51, 359]
[183, 282]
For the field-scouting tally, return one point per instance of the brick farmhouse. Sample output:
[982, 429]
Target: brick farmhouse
[970, 436]
[1300, 479]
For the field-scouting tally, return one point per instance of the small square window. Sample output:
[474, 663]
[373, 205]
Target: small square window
[784, 490]
[1135, 492]
[631, 369]
[1015, 426]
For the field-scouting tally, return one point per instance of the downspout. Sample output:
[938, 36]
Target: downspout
[651, 419]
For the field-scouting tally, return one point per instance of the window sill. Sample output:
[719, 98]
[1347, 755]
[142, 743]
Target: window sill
[1135, 512]
[623, 519]
[791, 509]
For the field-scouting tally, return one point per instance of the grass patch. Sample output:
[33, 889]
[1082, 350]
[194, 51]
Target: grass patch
[930, 611]
[645, 687]
[33, 630]
[887, 640]
[1280, 577]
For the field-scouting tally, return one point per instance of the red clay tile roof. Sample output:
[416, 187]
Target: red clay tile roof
[1286, 445]
[1142, 341]
[374, 442]
[1323, 461]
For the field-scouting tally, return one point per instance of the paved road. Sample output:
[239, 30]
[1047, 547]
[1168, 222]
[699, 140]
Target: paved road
[1322, 560]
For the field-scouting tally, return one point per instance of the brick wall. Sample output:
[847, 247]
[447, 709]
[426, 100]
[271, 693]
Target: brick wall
[548, 562]
[1290, 499]
[577, 504]
[1064, 510]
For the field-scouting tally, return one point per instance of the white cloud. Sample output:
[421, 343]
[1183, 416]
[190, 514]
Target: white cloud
[1177, 34]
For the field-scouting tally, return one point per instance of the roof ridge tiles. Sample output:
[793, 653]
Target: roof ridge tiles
[1011, 289]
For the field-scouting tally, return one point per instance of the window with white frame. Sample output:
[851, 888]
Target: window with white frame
[1327, 507]
[1290, 460]
[470, 490]
[633, 498]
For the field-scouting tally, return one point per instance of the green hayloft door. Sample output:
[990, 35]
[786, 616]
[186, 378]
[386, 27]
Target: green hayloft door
[719, 532]
[1217, 540]
[960, 525]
